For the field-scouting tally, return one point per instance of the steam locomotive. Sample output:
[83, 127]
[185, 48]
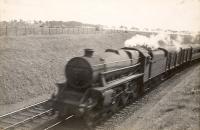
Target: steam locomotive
[100, 84]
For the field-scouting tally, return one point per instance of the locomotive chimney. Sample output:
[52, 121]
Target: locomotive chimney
[89, 52]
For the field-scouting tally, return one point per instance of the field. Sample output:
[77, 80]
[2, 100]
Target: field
[31, 65]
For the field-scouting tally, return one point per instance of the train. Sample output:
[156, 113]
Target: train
[97, 85]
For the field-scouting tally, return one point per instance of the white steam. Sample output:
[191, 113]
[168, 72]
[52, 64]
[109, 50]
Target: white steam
[137, 40]
[154, 41]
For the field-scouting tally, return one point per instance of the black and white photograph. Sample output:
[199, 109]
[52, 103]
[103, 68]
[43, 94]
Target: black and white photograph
[99, 64]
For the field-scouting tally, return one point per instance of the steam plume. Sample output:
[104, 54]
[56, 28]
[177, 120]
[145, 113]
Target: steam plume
[155, 41]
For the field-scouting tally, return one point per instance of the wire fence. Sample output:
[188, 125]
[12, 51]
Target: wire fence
[20, 31]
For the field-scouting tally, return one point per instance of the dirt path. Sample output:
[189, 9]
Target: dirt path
[172, 105]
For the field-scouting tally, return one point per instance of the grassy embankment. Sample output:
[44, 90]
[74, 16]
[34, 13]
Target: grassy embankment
[31, 65]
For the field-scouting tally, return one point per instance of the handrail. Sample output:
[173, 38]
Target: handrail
[116, 62]
[118, 82]
[124, 68]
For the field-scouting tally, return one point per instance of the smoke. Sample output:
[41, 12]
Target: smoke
[137, 40]
[155, 41]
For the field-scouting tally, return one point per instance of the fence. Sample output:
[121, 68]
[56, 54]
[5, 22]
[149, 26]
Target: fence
[20, 31]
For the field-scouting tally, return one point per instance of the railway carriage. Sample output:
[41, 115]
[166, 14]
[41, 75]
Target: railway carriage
[173, 56]
[186, 53]
[195, 52]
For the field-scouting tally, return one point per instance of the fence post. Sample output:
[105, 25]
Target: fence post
[33, 31]
[49, 31]
[41, 30]
[6, 30]
[25, 30]
[16, 30]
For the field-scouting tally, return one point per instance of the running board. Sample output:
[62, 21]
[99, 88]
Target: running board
[118, 82]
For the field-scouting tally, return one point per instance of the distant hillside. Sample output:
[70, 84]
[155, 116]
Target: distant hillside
[63, 24]
[21, 23]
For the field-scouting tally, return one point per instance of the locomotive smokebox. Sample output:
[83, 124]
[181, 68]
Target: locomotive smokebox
[88, 52]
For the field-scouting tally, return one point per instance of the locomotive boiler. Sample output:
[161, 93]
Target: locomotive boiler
[85, 71]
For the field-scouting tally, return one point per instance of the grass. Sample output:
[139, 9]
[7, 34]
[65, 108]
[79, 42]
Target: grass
[31, 65]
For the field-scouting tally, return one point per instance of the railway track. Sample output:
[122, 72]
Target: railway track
[26, 118]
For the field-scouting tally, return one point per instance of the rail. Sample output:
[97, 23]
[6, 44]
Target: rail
[57, 123]
[28, 119]
[2, 116]
[22, 116]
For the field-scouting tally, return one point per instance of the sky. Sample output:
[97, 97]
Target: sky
[164, 14]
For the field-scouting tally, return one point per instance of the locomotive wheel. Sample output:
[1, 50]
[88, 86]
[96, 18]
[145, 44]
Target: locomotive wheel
[135, 93]
[90, 118]
[116, 106]
[125, 99]
[89, 123]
